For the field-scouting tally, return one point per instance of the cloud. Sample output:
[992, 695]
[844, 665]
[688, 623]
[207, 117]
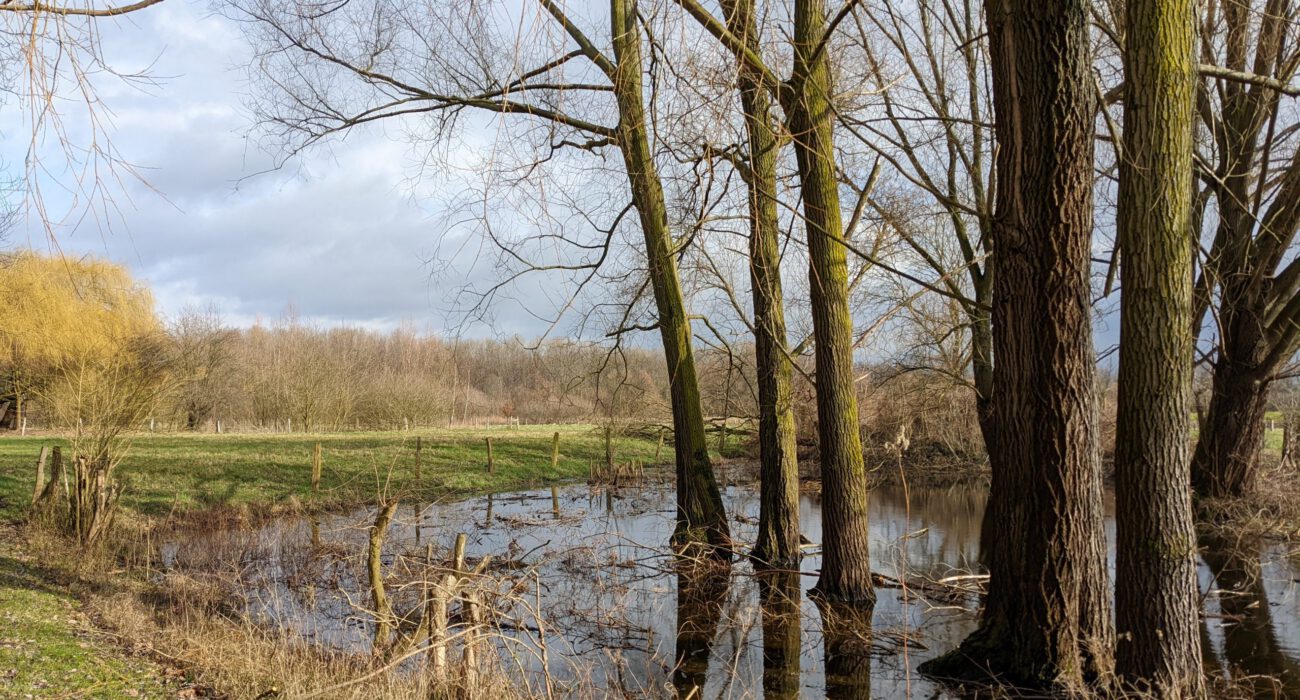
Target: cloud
[343, 234]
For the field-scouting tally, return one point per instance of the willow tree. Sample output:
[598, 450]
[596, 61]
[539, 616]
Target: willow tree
[1247, 296]
[805, 99]
[325, 76]
[1157, 601]
[778, 514]
[1046, 618]
[86, 337]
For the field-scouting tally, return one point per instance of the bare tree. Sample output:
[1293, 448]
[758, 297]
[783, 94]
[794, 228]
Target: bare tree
[1247, 295]
[806, 100]
[424, 59]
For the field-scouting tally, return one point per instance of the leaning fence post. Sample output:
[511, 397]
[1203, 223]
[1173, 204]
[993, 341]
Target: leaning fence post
[491, 465]
[659, 448]
[40, 474]
[315, 469]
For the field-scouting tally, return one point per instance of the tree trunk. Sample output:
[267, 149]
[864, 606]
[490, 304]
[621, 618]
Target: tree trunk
[778, 514]
[1046, 619]
[1226, 459]
[1157, 601]
[701, 517]
[846, 569]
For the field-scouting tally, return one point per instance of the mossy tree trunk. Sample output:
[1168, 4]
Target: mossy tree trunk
[1157, 601]
[701, 517]
[778, 515]
[846, 568]
[1046, 619]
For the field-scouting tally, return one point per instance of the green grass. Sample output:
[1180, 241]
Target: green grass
[192, 471]
[47, 649]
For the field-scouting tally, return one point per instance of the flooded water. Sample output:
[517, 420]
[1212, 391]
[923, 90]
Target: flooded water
[592, 596]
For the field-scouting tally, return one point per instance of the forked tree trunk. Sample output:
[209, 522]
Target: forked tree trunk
[1157, 601]
[778, 514]
[846, 567]
[701, 517]
[1226, 459]
[1046, 619]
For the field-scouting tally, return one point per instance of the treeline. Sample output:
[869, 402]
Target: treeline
[292, 376]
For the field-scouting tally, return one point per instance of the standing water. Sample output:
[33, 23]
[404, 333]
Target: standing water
[590, 594]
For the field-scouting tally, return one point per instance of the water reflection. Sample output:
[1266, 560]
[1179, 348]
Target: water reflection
[701, 594]
[846, 639]
[1250, 645]
[622, 618]
[781, 598]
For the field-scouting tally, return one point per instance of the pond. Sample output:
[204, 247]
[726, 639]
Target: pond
[583, 587]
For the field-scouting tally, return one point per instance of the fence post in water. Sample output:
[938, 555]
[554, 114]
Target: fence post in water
[315, 469]
[40, 474]
[555, 450]
[555, 500]
[492, 466]
[458, 554]
[437, 614]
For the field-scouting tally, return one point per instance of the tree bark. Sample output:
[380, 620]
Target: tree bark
[778, 514]
[1046, 619]
[846, 571]
[1157, 601]
[1224, 464]
[701, 516]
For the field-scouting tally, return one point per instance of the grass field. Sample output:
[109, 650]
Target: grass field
[162, 473]
[49, 649]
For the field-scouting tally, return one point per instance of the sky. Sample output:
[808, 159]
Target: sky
[350, 233]
[344, 235]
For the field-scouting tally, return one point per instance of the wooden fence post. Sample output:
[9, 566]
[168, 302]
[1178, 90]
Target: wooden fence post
[609, 448]
[315, 469]
[491, 465]
[555, 500]
[40, 474]
[419, 447]
[659, 448]
[555, 450]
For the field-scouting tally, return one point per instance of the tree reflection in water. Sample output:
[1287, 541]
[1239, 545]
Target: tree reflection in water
[781, 598]
[1250, 645]
[846, 634]
[701, 594]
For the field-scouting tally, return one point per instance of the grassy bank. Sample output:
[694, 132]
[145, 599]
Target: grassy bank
[50, 648]
[177, 473]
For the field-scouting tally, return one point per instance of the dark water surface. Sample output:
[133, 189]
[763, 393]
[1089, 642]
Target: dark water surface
[616, 618]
